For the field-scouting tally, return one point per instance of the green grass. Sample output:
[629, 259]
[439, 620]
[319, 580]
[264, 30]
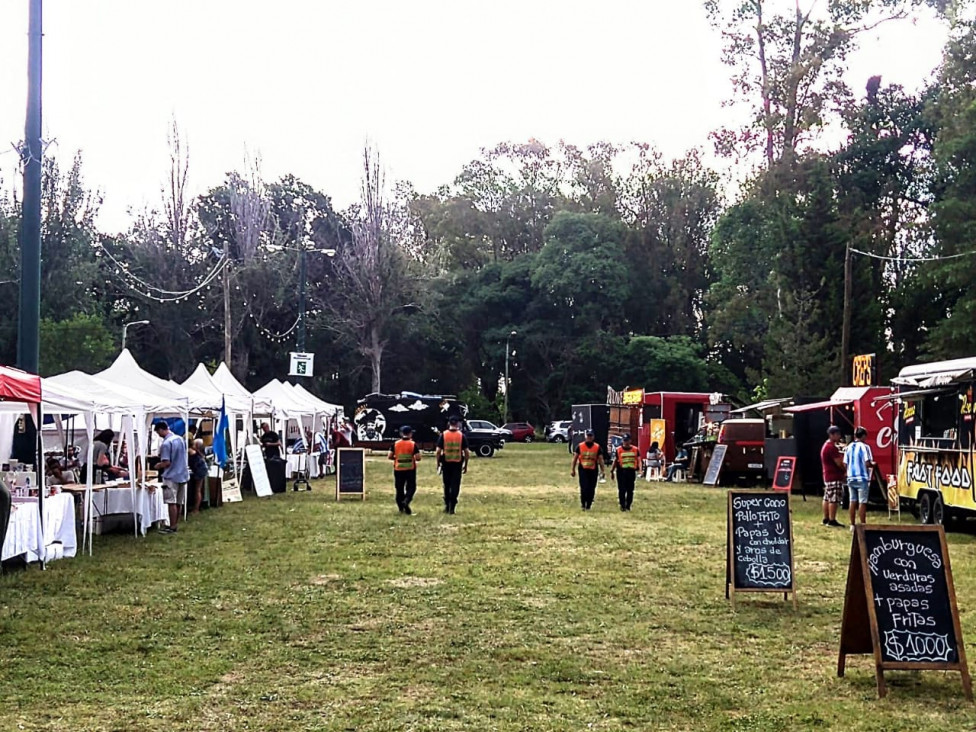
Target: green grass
[519, 613]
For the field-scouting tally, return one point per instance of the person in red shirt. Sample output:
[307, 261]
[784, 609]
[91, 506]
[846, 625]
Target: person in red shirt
[834, 475]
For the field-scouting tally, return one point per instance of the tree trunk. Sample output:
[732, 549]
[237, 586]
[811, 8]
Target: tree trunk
[766, 94]
[375, 358]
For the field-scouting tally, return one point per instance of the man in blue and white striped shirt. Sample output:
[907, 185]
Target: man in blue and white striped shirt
[859, 462]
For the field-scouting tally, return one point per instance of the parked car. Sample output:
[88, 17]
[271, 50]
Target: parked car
[559, 431]
[744, 456]
[484, 437]
[521, 431]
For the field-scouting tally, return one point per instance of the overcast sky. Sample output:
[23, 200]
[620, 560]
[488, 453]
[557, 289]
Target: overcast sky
[307, 82]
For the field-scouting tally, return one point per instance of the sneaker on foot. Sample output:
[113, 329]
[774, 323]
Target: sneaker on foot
[835, 523]
[826, 522]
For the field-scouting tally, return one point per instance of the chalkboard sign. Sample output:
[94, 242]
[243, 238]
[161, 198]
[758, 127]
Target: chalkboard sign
[900, 603]
[259, 472]
[783, 475]
[715, 465]
[760, 544]
[350, 472]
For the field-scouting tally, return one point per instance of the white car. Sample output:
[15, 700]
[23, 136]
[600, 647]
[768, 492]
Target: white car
[559, 431]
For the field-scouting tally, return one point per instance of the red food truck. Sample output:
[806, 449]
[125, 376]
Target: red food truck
[870, 407]
[682, 413]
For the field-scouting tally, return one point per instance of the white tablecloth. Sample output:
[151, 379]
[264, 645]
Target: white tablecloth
[24, 532]
[149, 504]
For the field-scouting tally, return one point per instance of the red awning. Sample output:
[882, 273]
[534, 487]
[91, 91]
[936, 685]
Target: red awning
[19, 386]
[818, 405]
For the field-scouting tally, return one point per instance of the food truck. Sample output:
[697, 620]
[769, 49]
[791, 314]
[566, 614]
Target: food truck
[850, 407]
[935, 439]
[678, 416]
[379, 417]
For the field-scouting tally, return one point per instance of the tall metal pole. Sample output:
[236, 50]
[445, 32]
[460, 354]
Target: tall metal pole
[28, 326]
[508, 350]
[845, 338]
[302, 275]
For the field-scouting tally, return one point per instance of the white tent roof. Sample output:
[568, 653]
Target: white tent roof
[126, 371]
[284, 400]
[201, 381]
[321, 406]
[105, 396]
[228, 384]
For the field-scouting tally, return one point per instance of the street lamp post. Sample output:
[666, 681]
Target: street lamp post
[507, 353]
[125, 327]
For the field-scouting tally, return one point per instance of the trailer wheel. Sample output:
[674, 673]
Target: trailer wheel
[925, 508]
[938, 510]
[486, 450]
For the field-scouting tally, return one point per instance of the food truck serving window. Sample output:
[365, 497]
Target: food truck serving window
[938, 415]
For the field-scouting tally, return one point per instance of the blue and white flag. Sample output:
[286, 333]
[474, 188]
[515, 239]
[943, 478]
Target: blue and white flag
[220, 436]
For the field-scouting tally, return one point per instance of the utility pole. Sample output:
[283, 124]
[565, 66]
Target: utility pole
[302, 276]
[227, 325]
[508, 351]
[845, 339]
[29, 319]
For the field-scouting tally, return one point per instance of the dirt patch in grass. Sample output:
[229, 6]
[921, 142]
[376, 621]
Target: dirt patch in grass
[406, 583]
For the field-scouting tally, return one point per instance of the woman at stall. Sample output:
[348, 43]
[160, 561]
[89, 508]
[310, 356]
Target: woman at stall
[198, 471]
[101, 456]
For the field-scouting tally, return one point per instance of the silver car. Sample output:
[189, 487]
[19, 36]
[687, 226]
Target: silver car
[559, 431]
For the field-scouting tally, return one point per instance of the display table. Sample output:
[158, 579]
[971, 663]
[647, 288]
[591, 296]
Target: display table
[60, 537]
[23, 531]
[111, 499]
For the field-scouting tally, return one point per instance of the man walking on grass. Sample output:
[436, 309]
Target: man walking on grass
[626, 466]
[859, 461]
[175, 472]
[405, 455]
[452, 456]
[589, 457]
[834, 474]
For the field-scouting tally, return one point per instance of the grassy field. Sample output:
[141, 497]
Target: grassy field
[519, 613]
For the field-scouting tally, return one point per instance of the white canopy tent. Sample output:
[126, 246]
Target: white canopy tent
[228, 384]
[106, 398]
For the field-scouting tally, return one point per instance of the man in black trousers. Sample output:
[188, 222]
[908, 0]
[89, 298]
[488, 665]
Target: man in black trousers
[452, 456]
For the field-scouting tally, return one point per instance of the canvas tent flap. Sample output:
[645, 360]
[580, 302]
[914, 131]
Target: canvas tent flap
[322, 407]
[19, 386]
[284, 400]
[813, 407]
[201, 381]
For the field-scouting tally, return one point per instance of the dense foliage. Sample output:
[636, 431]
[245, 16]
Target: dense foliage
[611, 264]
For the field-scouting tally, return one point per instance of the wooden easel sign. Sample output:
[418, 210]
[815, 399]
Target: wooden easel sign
[351, 472]
[759, 549]
[900, 603]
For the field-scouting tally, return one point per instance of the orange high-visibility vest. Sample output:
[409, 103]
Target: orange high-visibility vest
[627, 459]
[403, 452]
[588, 455]
[452, 446]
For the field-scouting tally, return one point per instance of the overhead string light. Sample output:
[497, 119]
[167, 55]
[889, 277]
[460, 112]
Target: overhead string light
[270, 335]
[164, 295]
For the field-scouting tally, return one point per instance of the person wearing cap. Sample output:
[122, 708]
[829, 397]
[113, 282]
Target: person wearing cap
[452, 456]
[859, 462]
[174, 469]
[405, 455]
[834, 475]
[626, 466]
[589, 458]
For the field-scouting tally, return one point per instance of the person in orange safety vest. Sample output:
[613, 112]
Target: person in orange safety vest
[405, 455]
[589, 458]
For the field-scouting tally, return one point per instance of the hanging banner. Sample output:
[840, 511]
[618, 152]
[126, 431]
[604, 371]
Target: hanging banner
[633, 396]
[301, 364]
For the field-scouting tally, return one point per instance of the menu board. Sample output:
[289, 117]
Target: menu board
[760, 543]
[900, 603]
[350, 472]
[783, 475]
[259, 471]
[715, 465]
